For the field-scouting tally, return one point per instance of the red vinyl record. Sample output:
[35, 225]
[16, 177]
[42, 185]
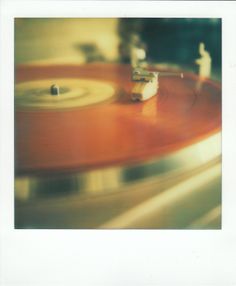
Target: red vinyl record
[94, 123]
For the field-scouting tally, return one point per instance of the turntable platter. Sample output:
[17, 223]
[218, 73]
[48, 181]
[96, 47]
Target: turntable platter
[108, 128]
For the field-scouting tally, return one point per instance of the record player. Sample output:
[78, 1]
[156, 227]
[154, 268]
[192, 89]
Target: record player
[130, 143]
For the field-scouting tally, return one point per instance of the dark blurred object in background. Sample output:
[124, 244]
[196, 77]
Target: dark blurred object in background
[175, 40]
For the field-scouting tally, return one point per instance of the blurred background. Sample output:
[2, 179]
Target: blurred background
[172, 41]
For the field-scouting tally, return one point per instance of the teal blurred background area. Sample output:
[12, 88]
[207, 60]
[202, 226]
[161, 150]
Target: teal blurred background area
[176, 40]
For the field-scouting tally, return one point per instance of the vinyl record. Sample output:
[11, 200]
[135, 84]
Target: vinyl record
[93, 122]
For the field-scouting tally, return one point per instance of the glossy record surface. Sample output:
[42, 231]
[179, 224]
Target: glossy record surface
[116, 132]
